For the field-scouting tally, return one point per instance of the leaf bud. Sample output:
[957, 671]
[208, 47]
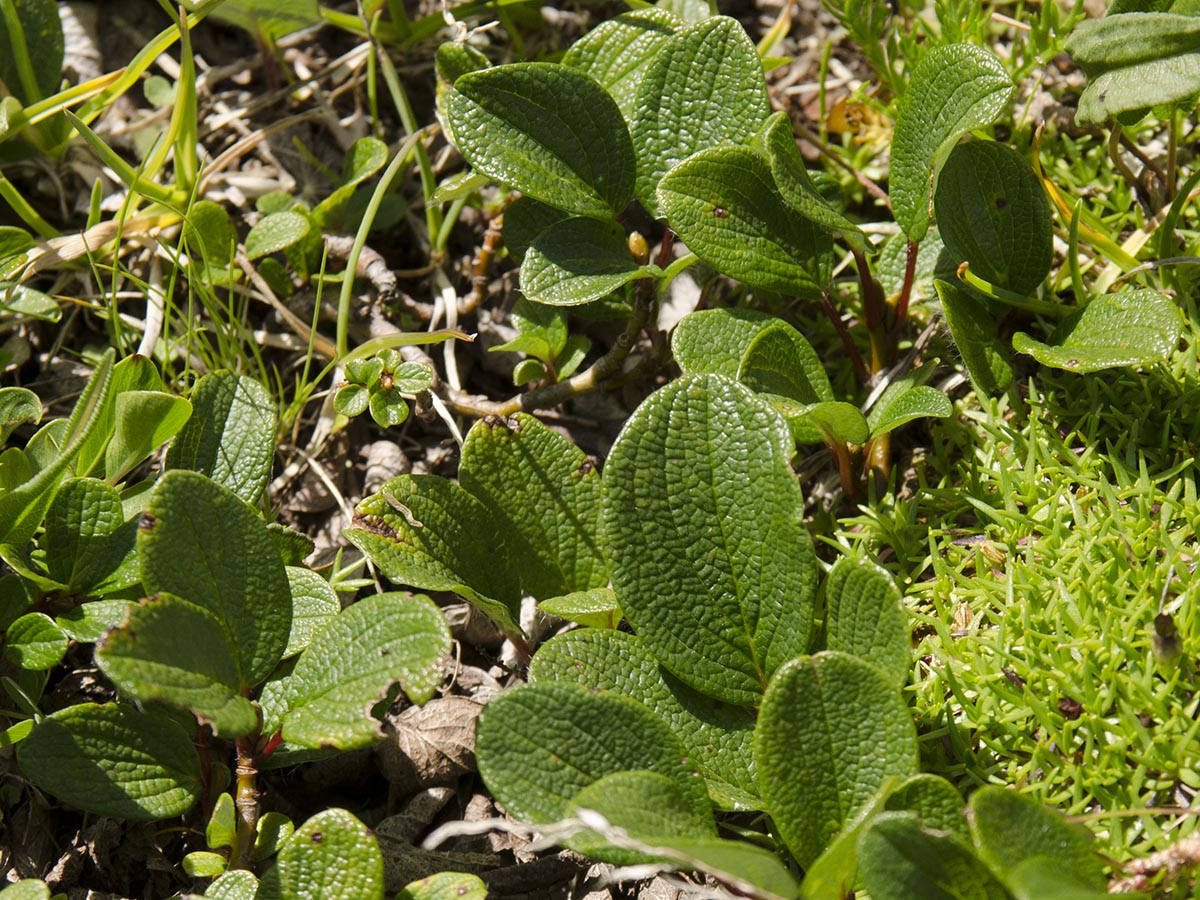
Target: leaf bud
[639, 249]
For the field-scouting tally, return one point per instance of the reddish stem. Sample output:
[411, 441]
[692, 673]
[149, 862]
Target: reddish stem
[271, 745]
[847, 473]
[910, 274]
[666, 249]
[844, 333]
[874, 306]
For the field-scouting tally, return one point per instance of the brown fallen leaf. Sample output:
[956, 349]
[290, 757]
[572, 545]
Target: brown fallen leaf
[429, 745]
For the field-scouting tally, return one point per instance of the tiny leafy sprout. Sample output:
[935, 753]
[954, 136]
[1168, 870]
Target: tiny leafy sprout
[551, 352]
[382, 385]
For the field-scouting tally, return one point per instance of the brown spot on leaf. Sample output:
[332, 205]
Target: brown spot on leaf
[720, 212]
[317, 837]
[1013, 678]
[1070, 708]
[147, 522]
[374, 525]
[1001, 203]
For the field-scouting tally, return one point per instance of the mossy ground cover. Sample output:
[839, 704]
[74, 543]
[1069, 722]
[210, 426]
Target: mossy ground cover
[1043, 534]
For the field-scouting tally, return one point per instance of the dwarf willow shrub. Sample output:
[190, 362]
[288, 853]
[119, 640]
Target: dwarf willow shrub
[746, 685]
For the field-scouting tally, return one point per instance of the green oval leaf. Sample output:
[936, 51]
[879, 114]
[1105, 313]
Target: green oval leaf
[210, 236]
[133, 373]
[145, 420]
[40, 38]
[700, 473]
[25, 301]
[718, 736]
[274, 829]
[546, 496]
[1135, 61]
[595, 608]
[445, 886]
[202, 543]
[23, 508]
[976, 336]
[904, 401]
[954, 89]
[88, 622]
[351, 664]
[549, 131]
[237, 884]
[230, 436]
[724, 204]
[178, 652]
[643, 804]
[114, 760]
[539, 745]
[388, 408]
[431, 534]
[864, 617]
[777, 143]
[26, 889]
[412, 377]
[86, 538]
[365, 157]
[204, 864]
[293, 546]
[455, 59]
[578, 260]
[779, 360]
[835, 420]
[831, 732]
[1135, 327]
[937, 803]
[616, 53]
[221, 830]
[993, 213]
[351, 400]
[314, 603]
[332, 856]
[714, 341]
[899, 860]
[17, 406]
[705, 88]
[34, 642]
[1009, 828]
[276, 232]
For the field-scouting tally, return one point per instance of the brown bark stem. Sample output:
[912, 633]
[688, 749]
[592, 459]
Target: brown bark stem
[246, 803]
